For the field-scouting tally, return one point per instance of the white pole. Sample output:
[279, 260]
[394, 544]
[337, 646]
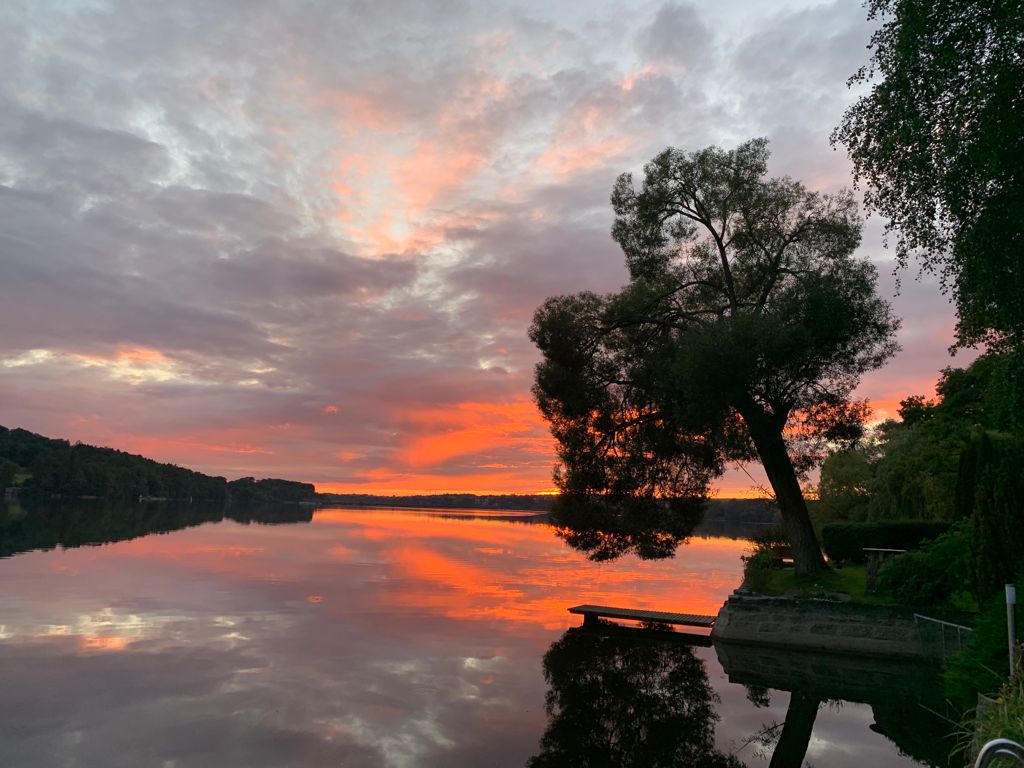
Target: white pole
[1011, 629]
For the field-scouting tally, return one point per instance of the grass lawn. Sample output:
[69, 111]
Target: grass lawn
[849, 580]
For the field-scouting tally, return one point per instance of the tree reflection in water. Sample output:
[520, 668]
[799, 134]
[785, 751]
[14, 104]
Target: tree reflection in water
[791, 748]
[618, 698]
[605, 529]
[79, 523]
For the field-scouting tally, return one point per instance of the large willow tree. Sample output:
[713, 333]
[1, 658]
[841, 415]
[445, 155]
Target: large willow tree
[939, 140]
[742, 333]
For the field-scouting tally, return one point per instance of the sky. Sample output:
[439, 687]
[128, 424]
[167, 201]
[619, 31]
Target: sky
[306, 239]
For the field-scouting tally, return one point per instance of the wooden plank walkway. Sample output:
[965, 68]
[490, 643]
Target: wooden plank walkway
[591, 613]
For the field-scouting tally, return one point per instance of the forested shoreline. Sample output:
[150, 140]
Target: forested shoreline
[43, 467]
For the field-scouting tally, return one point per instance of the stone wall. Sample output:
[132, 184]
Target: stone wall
[821, 625]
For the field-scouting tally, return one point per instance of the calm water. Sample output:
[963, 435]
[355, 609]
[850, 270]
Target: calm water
[390, 638]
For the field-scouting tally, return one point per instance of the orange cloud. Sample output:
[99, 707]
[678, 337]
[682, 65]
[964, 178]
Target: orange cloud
[628, 83]
[390, 186]
[134, 354]
[472, 428]
[187, 449]
[431, 170]
[368, 109]
[588, 136]
[102, 644]
[566, 160]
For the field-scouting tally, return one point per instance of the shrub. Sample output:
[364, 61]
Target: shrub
[990, 489]
[933, 574]
[1002, 719]
[846, 541]
[757, 568]
[982, 667]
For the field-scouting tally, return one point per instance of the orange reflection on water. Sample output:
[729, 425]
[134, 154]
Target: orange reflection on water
[360, 563]
[520, 572]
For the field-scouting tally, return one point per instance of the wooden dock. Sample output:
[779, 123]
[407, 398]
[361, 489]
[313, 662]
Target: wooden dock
[593, 613]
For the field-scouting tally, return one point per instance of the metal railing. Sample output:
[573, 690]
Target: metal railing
[951, 637]
[1000, 748]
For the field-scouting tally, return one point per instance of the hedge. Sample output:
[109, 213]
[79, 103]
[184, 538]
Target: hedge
[846, 541]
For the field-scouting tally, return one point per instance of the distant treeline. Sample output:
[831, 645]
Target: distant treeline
[533, 502]
[46, 468]
[753, 511]
[738, 518]
[721, 516]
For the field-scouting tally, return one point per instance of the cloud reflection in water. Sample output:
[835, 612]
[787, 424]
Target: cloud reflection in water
[366, 638]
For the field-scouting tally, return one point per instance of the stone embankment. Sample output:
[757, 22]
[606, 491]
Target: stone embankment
[823, 625]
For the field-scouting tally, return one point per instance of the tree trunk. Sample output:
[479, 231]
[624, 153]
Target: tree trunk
[796, 521]
[796, 731]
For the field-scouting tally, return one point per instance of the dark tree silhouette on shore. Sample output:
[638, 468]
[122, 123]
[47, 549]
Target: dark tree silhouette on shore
[743, 331]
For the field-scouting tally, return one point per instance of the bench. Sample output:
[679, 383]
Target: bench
[781, 554]
[877, 556]
[593, 613]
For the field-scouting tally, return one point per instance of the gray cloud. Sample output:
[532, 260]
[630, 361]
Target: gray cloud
[677, 36]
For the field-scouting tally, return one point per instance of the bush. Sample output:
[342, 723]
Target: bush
[1002, 719]
[990, 489]
[982, 667]
[846, 541]
[933, 574]
[757, 568]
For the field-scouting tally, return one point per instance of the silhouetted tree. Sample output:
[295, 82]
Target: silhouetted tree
[742, 333]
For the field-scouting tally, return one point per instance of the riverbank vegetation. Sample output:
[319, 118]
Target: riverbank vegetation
[46, 468]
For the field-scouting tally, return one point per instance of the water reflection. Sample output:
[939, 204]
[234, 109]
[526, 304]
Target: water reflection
[377, 638]
[80, 523]
[627, 699]
[905, 698]
[607, 529]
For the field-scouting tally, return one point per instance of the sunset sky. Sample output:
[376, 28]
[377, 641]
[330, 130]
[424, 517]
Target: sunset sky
[306, 239]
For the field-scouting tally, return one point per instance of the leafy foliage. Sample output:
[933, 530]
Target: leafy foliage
[940, 140]
[911, 468]
[757, 569]
[845, 542]
[745, 327]
[933, 574]
[844, 488]
[992, 493]
[58, 468]
[1002, 719]
[983, 665]
[8, 471]
[248, 490]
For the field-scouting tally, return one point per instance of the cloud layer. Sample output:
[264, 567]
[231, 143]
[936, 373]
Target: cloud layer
[306, 240]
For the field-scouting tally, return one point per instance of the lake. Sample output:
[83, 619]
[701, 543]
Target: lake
[376, 637]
